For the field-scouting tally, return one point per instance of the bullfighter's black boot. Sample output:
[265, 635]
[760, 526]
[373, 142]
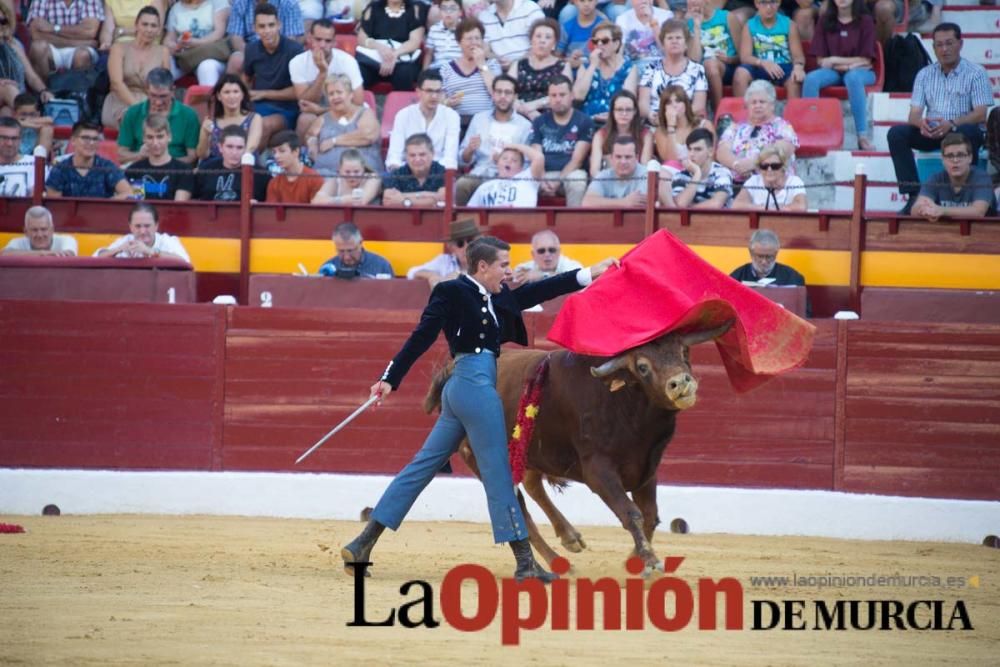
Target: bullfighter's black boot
[527, 567]
[359, 551]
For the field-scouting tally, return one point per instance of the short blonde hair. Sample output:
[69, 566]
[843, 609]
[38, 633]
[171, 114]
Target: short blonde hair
[772, 151]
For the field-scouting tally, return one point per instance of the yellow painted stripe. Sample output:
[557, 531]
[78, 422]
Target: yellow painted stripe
[940, 270]
[820, 267]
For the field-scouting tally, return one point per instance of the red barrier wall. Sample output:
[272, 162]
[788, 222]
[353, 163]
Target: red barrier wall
[902, 409]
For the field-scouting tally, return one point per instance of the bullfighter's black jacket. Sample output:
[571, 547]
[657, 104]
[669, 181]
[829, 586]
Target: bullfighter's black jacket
[458, 307]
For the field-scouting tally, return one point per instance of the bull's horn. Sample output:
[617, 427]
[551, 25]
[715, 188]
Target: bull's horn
[609, 367]
[696, 337]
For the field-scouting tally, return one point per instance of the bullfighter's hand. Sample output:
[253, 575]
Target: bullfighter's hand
[382, 390]
[597, 269]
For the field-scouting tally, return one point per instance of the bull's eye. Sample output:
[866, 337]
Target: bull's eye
[643, 368]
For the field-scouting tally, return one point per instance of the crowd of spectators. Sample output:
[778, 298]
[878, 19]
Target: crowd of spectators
[592, 96]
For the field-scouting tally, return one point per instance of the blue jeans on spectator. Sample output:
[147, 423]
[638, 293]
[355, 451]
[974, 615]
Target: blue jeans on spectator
[609, 9]
[903, 139]
[854, 80]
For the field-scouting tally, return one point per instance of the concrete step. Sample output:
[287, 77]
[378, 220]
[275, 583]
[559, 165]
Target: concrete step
[973, 18]
[881, 194]
[877, 198]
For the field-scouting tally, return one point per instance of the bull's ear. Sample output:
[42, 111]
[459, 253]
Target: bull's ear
[616, 384]
[696, 337]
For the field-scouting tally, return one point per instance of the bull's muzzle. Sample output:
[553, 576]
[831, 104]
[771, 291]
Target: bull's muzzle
[682, 390]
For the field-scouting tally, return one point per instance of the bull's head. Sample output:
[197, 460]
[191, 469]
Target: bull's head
[661, 367]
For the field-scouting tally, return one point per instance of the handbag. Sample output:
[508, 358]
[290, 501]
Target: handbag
[189, 59]
[373, 54]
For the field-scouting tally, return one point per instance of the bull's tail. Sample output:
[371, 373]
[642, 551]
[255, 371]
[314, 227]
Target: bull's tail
[432, 401]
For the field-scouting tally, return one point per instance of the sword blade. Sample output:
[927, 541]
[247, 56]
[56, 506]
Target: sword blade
[333, 432]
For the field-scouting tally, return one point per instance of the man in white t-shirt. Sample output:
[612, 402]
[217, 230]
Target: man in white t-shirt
[310, 69]
[17, 172]
[546, 259]
[516, 185]
[144, 240]
[40, 238]
[488, 134]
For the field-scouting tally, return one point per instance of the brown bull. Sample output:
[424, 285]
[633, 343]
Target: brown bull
[603, 422]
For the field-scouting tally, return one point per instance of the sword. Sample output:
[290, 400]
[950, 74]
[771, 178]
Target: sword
[364, 406]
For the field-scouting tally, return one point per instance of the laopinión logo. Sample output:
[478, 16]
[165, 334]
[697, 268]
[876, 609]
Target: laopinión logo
[666, 604]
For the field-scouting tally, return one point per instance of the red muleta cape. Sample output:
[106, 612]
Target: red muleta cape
[663, 286]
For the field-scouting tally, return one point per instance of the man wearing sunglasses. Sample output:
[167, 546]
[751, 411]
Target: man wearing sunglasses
[961, 190]
[546, 260]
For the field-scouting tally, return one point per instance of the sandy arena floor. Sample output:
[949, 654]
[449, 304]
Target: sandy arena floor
[151, 590]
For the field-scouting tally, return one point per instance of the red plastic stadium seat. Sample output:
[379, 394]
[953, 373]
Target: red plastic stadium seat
[109, 149]
[383, 88]
[819, 124]
[347, 43]
[840, 92]
[732, 106]
[394, 101]
[370, 101]
[345, 27]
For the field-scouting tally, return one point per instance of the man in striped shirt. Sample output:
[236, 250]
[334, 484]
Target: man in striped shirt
[507, 23]
[955, 94]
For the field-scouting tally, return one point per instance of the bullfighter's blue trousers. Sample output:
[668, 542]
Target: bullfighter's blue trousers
[470, 406]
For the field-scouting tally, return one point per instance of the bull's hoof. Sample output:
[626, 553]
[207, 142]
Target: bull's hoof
[366, 515]
[348, 556]
[574, 543]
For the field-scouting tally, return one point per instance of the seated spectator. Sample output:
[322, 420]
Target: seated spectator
[242, 29]
[624, 121]
[17, 171]
[764, 269]
[703, 183]
[230, 105]
[84, 173]
[612, 9]
[488, 134]
[40, 239]
[770, 50]
[183, 120]
[121, 21]
[355, 184]
[419, 182]
[772, 188]
[429, 117]
[563, 134]
[640, 28]
[608, 72]
[468, 78]
[36, 129]
[844, 47]
[740, 144]
[951, 95]
[546, 260]
[715, 34]
[624, 184]
[64, 37]
[196, 37]
[144, 239]
[129, 66]
[297, 183]
[676, 120]
[353, 260]
[311, 69]
[218, 178]
[536, 69]
[159, 175]
[960, 191]
[803, 13]
[516, 185]
[507, 23]
[265, 70]
[674, 69]
[451, 263]
[344, 126]
[17, 76]
[389, 37]
[441, 45]
[575, 32]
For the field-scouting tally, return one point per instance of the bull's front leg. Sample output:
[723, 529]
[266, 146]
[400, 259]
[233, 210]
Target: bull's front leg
[645, 498]
[602, 478]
